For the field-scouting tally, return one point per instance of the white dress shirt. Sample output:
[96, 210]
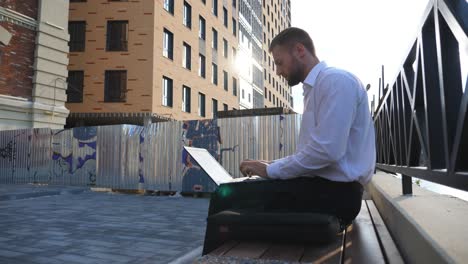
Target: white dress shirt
[336, 138]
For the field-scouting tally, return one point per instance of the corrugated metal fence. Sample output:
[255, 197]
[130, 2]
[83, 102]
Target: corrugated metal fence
[129, 156]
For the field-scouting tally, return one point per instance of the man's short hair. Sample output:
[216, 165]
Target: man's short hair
[291, 36]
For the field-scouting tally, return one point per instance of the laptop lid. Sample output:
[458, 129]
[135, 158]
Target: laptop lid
[210, 165]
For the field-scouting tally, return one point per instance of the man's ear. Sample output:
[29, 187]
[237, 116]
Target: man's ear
[300, 50]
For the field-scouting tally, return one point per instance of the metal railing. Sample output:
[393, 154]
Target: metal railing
[421, 121]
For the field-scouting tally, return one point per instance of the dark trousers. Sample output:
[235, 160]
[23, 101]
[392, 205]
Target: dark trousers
[305, 194]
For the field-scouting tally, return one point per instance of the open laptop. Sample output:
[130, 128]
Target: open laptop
[211, 166]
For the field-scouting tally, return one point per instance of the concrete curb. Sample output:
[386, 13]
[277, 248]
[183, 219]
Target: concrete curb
[20, 196]
[416, 243]
[189, 257]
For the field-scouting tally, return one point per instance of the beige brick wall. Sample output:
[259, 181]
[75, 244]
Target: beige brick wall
[95, 60]
[144, 61]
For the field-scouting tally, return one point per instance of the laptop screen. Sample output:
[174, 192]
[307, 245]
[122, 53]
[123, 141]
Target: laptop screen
[210, 165]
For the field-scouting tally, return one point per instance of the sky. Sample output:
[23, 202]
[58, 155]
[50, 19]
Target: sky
[359, 36]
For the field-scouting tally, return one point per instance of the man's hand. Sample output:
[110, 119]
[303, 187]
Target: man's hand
[254, 167]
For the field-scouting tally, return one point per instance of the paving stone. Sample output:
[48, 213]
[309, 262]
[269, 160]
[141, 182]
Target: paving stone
[110, 257]
[9, 253]
[94, 227]
[76, 258]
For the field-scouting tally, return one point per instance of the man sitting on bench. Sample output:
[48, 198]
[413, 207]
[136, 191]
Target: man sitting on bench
[335, 155]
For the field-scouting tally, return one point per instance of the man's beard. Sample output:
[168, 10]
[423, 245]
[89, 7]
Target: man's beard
[295, 76]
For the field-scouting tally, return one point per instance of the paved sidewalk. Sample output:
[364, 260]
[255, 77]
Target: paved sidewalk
[82, 226]
[24, 191]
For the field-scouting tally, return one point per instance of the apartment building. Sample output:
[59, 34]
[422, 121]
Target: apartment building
[276, 17]
[249, 56]
[139, 61]
[33, 63]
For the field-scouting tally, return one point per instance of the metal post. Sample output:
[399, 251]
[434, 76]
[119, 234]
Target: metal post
[407, 185]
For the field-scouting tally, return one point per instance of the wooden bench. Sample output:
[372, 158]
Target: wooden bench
[367, 240]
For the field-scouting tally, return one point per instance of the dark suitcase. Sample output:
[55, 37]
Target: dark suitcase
[266, 210]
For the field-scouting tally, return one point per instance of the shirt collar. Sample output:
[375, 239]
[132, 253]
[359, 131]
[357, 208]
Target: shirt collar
[312, 76]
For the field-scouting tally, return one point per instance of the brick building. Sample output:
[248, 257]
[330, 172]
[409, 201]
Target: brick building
[141, 61]
[33, 63]
[276, 17]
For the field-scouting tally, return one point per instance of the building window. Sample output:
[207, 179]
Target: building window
[225, 107]
[168, 42]
[169, 6]
[117, 36]
[214, 74]
[187, 15]
[75, 86]
[201, 28]
[225, 80]
[167, 91]
[225, 48]
[234, 86]
[201, 66]
[201, 104]
[214, 7]
[77, 31]
[234, 27]
[234, 3]
[234, 52]
[186, 99]
[225, 17]
[187, 56]
[249, 98]
[214, 43]
[243, 94]
[214, 105]
[115, 87]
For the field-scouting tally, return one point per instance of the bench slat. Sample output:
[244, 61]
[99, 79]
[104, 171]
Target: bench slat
[330, 253]
[390, 250]
[361, 243]
[224, 248]
[248, 249]
[284, 252]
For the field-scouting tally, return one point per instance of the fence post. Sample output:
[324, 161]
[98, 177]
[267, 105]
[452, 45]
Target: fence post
[407, 185]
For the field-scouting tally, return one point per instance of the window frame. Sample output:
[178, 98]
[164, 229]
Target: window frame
[201, 102]
[168, 44]
[214, 41]
[214, 73]
[186, 56]
[187, 15]
[108, 96]
[201, 28]
[214, 107]
[167, 91]
[225, 81]
[168, 5]
[122, 43]
[186, 99]
[202, 66]
[74, 89]
[80, 44]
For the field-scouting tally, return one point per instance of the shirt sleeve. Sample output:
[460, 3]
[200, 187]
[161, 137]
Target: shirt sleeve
[327, 137]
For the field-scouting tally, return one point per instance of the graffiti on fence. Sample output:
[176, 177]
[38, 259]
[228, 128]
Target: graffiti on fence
[75, 155]
[200, 134]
